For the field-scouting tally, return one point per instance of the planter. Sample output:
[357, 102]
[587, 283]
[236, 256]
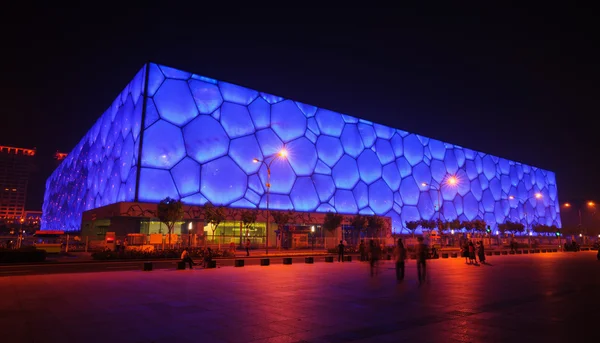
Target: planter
[496, 253]
[512, 252]
[504, 252]
[287, 260]
[309, 260]
[211, 264]
[329, 259]
[147, 267]
[347, 258]
[544, 250]
[239, 263]
[488, 253]
[180, 265]
[537, 251]
[525, 251]
[554, 250]
[533, 251]
[265, 262]
[444, 255]
[454, 255]
[519, 252]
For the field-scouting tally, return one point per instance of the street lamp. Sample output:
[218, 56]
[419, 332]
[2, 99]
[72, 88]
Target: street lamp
[589, 204]
[449, 180]
[281, 154]
[537, 196]
[312, 232]
[189, 234]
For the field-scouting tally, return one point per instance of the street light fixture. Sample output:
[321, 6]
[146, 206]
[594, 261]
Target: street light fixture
[589, 204]
[281, 154]
[449, 180]
[189, 234]
[537, 196]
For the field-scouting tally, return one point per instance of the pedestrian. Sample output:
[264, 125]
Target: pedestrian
[422, 252]
[375, 254]
[185, 257]
[400, 256]
[472, 252]
[248, 247]
[207, 257]
[481, 252]
[341, 251]
[361, 250]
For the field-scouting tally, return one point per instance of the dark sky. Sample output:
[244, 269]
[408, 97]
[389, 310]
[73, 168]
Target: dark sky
[520, 84]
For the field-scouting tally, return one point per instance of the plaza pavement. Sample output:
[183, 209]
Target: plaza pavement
[519, 298]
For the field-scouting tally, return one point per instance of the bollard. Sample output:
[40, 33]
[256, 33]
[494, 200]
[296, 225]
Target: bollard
[239, 263]
[309, 260]
[265, 262]
[180, 265]
[287, 260]
[347, 258]
[147, 266]
[329, 259]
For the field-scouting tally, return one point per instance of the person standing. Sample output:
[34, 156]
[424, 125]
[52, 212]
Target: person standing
[375, 255]
[341, 251]
[422, 251]
[400, 256]
[481, 252]
[248, 247]
[361, 250]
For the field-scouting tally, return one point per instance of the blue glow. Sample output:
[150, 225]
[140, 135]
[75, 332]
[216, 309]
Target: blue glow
[304, 195]
[330, 123]
[175, 103]
[206, 95]
[205, 139]
[236, 120]
[287, 121]
[200, 136]
[369, 166]
[329, 149]
[163, 146]
[222, 181]
[187, 176]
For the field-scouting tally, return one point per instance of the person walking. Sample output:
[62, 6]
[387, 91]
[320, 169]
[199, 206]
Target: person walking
[341, 251]
[422, 251]
[400, 257]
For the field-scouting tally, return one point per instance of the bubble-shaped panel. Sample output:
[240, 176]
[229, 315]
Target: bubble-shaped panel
[205, 139]
[449, 211]
[236, 120]
[470, 206]
[260, 111]
[173, 73]
[282, 176]
[381, 198]
[361, 194]
[426, 206]
[155, 185]
[488, 200]
[302, 155]
[369, 166]
[243, 151]
[409, 191]
[322, 168]
[345, 173]
[222, 181]
[397, 145]
[308, 110]
[206, 95]
[163, 146]
[384, 151]
[383, 132]
[304, 195]
[155, 79]
[330, 123]
[367, 133]
[391, 176]
[489, 167]
[422, 174]
[329, 149]
[450, 162]
[413, 149]
[269, 143]
[437, 149]
[277, 202]
[409, 213]
[287, 120]
[344, 202]
[351, 140]
[175, 102]
[237, 94]
[324, 186]
[496, 189]
[186, 175]
[151, 114]
[404, 167]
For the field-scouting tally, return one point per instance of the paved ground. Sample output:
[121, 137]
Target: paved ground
[530, 298]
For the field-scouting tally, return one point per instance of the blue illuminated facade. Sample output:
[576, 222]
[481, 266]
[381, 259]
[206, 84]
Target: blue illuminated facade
[178, 134]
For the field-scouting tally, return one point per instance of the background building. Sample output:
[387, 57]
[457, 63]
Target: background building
[178, 134]
[15, 167]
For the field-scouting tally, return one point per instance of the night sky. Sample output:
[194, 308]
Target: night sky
[517, 84]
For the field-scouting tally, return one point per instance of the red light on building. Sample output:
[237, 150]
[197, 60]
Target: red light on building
[17, 151]
[60, 156]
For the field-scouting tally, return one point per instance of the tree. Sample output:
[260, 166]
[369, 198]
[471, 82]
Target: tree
[332, 221]
[515, 227]
[455, 225]
[248, 219]
[214, 215]
[479, 225]
[359, 222]
[412, 227]
[169, 212]
[376, 224]
[282, 218]
[467, 225]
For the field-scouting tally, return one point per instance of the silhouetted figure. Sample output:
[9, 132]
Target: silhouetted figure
[375, 255]
[481, 252]
[207, 257]
[248, 247]
[185, 257]
[400, 256]
[422, 251]
[341, 251]
[361, 250]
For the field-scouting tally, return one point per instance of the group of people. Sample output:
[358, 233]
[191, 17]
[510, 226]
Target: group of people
[472, 252]
[187, 258]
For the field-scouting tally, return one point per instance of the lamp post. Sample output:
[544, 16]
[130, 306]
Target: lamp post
[281, 154]
[537, 196]
[448, 180]
[589, 204]
[312, 233]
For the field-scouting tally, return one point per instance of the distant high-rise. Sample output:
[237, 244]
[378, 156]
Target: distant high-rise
[15, 167]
